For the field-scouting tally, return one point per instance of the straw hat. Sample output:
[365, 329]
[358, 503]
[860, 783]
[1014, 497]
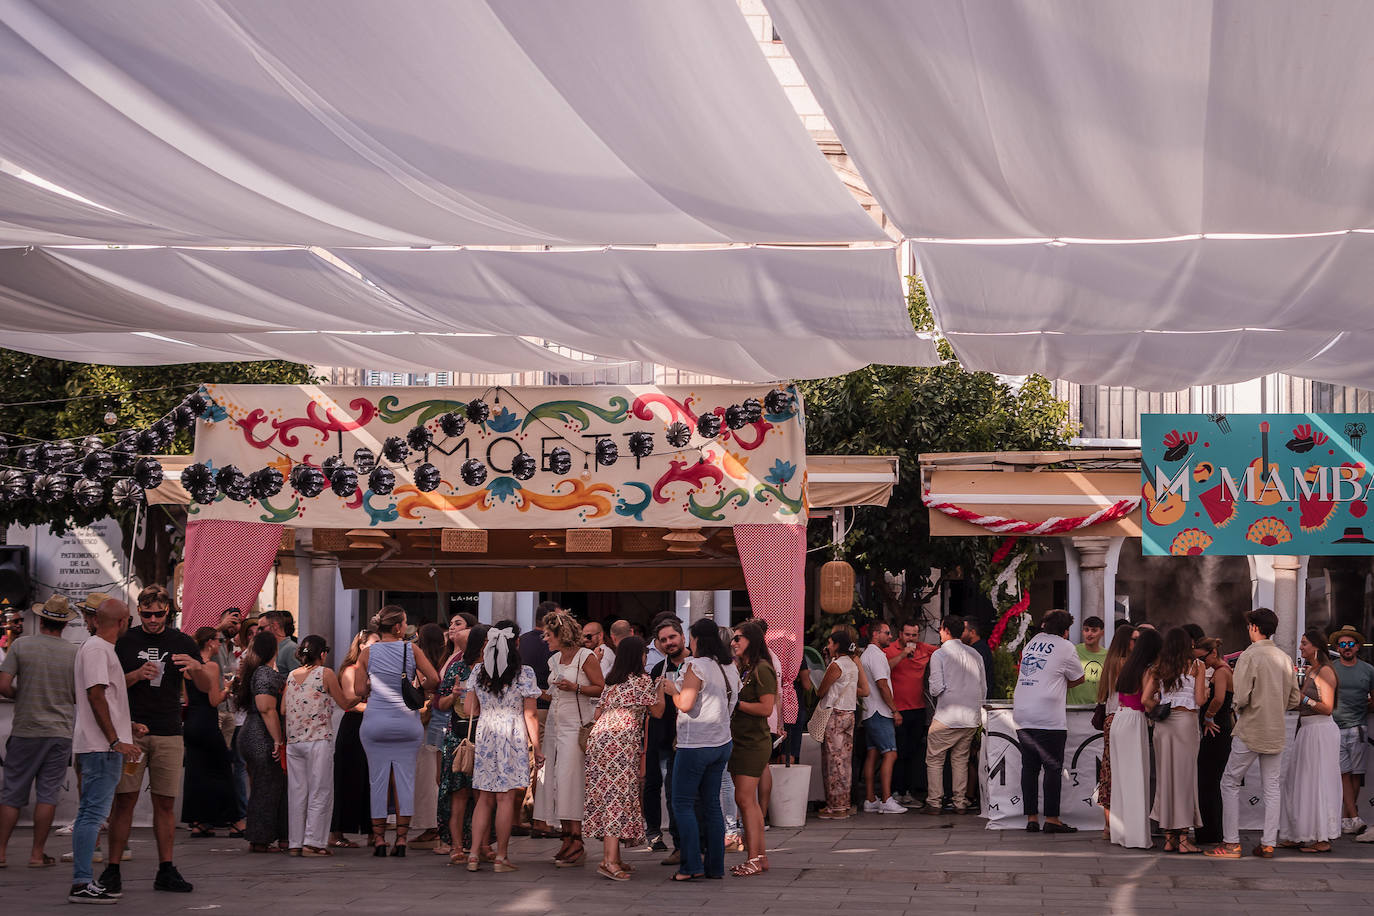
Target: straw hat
[1344, 632]
[57, 609]
[93, 601]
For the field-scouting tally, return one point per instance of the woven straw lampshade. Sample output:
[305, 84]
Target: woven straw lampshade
[837, 587]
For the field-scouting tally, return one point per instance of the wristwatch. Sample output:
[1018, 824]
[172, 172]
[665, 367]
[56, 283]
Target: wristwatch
[114, 744]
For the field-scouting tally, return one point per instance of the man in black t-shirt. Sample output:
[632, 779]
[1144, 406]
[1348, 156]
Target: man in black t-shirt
[155, 656]
[662, 733]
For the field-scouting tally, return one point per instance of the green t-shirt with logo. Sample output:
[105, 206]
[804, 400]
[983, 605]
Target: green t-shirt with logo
[1086, 692]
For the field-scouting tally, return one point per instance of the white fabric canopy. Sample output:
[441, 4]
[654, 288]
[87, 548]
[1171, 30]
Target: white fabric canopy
[1104, 119]
[752, 314]
[351, 122]
[1162, 315]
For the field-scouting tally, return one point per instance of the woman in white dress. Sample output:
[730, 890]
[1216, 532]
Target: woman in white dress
[1180, 681]
[500, 696]
[841, 687]
[575, 682]
[1311, 812]
[1130, 811]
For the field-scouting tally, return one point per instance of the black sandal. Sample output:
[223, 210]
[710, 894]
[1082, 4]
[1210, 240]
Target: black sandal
[379, 841]
[200, 832]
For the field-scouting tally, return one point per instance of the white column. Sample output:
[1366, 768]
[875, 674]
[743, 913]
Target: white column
[346, 602]
[1288, 599]
[1261, 581]
[524, 610]
[1072, 572]
[682, 604]
[484, 607]
[720, 604]
[1097, 562]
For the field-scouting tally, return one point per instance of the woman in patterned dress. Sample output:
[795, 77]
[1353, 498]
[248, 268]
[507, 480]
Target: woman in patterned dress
[615, 757]
[501, 695]
[455, 789]
[262, 742]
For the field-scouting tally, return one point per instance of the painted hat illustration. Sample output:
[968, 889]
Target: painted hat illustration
[1353, 536]
[1176, 444]
[1304, 440]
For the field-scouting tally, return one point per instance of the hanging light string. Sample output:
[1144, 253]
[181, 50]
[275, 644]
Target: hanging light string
[92, 397]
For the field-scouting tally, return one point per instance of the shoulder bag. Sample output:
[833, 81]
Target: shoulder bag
[1099, 720]
[465, 755]
[820, 717]
[584, 731]
[411, 695]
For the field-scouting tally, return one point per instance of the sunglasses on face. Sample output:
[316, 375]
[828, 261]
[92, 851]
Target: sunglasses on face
[736, 638]
[152, 615]
[1345, 644]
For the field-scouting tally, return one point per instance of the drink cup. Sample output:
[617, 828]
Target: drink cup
[156, 680]
[131, 764]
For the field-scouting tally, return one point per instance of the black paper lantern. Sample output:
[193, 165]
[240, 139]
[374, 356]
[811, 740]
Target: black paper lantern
[148, 442]
[641, 444]
[381, 481]
[427, 478]
[395, 450]
[88, 494]
[53, 455]
[678, 434]
[50, 488]
[16, 485]
[265, 483]
[734, 416]
[778, 401]
[27, 456]
[607, 452]
[419, 438]
[183, 417]
[205, 495]
[753, 410]
[97, 465]
[124, 451]
[523, 466]
[197, 403]
[478, 411]
[453, 424]
[127, 494]
[148, 473]
[364, 460]
[473, 472]
[708, 425]
[4, 448]
[166, 428]
[196, 477]
[92, 444]
[560, 461]
[330, 465]
[344, 481]
[233, 483]
[307, 480]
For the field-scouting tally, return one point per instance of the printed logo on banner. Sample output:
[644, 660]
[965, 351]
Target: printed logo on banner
[1246, 484]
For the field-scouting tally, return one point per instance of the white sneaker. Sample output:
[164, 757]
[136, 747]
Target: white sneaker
[98, 857]
[1346, 825]
[890, 806]
[64, 830]
[1357, 824]
[1365, 837]
[873, 807]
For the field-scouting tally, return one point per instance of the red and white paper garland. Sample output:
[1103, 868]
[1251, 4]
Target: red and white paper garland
[998, 524]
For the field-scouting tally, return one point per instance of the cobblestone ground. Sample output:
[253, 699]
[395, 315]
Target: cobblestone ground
[868, 865]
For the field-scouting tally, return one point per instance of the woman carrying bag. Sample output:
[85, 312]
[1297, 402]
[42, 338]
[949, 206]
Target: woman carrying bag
[840, 689]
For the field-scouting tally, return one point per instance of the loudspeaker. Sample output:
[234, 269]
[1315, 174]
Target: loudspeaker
[14, 576]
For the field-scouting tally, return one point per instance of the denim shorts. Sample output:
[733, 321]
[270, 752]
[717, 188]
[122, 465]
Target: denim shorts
[881, 733]
[1354, 750]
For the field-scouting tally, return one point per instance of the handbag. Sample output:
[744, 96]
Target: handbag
[820, 718]
[465, 756]
[1160, 712]
[411, 695]
[1099, 720]
[584, 731]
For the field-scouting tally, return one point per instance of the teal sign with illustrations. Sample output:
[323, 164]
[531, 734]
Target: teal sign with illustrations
[1238, 484]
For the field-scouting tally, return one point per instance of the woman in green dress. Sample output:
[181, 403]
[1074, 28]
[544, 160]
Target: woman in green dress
[455, 789]
[752, 741]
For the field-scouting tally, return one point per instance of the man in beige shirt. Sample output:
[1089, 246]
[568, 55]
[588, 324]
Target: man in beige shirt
[1265, 688]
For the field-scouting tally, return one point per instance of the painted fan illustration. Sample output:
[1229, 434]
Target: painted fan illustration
[1190, 542]
[1268, 532]
[1176, 444]
[1304, 440]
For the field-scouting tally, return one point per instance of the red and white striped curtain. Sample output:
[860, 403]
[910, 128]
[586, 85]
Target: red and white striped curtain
[226, 566]
[774, 561]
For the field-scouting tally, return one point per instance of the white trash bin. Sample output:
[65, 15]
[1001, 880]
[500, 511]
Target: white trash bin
[791, 786]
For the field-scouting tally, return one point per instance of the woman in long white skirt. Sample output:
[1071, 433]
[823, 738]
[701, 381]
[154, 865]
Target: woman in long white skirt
[1130, 749]
[1311, 816]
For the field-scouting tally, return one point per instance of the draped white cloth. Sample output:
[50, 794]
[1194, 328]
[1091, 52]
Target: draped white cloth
[1162, 315]
[350, 122]
[752, 314]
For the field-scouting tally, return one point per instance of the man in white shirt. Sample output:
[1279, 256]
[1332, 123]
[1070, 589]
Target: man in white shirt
[102, 741]
[1049, 667]
[959, 686]
[594, 638]
[880, 723]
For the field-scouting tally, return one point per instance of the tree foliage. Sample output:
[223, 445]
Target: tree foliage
[73, 399]
[905, 411]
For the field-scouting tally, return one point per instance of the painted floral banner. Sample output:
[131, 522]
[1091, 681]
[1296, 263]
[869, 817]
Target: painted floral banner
[503, 470]
[1294, 484]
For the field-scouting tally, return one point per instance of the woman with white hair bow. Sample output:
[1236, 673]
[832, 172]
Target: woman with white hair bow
[501, 695]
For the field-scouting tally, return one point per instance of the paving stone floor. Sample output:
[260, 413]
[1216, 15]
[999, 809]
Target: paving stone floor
[871, 865]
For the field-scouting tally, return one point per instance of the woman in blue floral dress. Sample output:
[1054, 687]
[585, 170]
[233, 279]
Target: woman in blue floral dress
[502, 693]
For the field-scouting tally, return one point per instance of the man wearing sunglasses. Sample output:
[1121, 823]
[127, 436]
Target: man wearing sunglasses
[1354, 683]
[155, 657]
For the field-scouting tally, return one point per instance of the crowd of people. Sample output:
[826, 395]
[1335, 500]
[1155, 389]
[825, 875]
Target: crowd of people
[469, 734]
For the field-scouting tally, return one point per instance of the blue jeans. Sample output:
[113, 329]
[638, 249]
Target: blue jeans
[100, 772]
[696, 787]
[729, 808]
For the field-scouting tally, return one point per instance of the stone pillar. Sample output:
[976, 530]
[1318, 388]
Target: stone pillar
[502, 606]
[687, 610]
[1289, 589]
[720, 604]
[524, 610]
[1097, 559]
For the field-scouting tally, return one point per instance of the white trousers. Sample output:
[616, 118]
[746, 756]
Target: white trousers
[309, 792]
[1237, 765]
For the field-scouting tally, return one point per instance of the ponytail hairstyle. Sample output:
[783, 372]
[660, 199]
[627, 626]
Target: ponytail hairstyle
[1317, 637]
[204, 635]
[261, 652]
[844, 641]
[709, 643]
[311, 650]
